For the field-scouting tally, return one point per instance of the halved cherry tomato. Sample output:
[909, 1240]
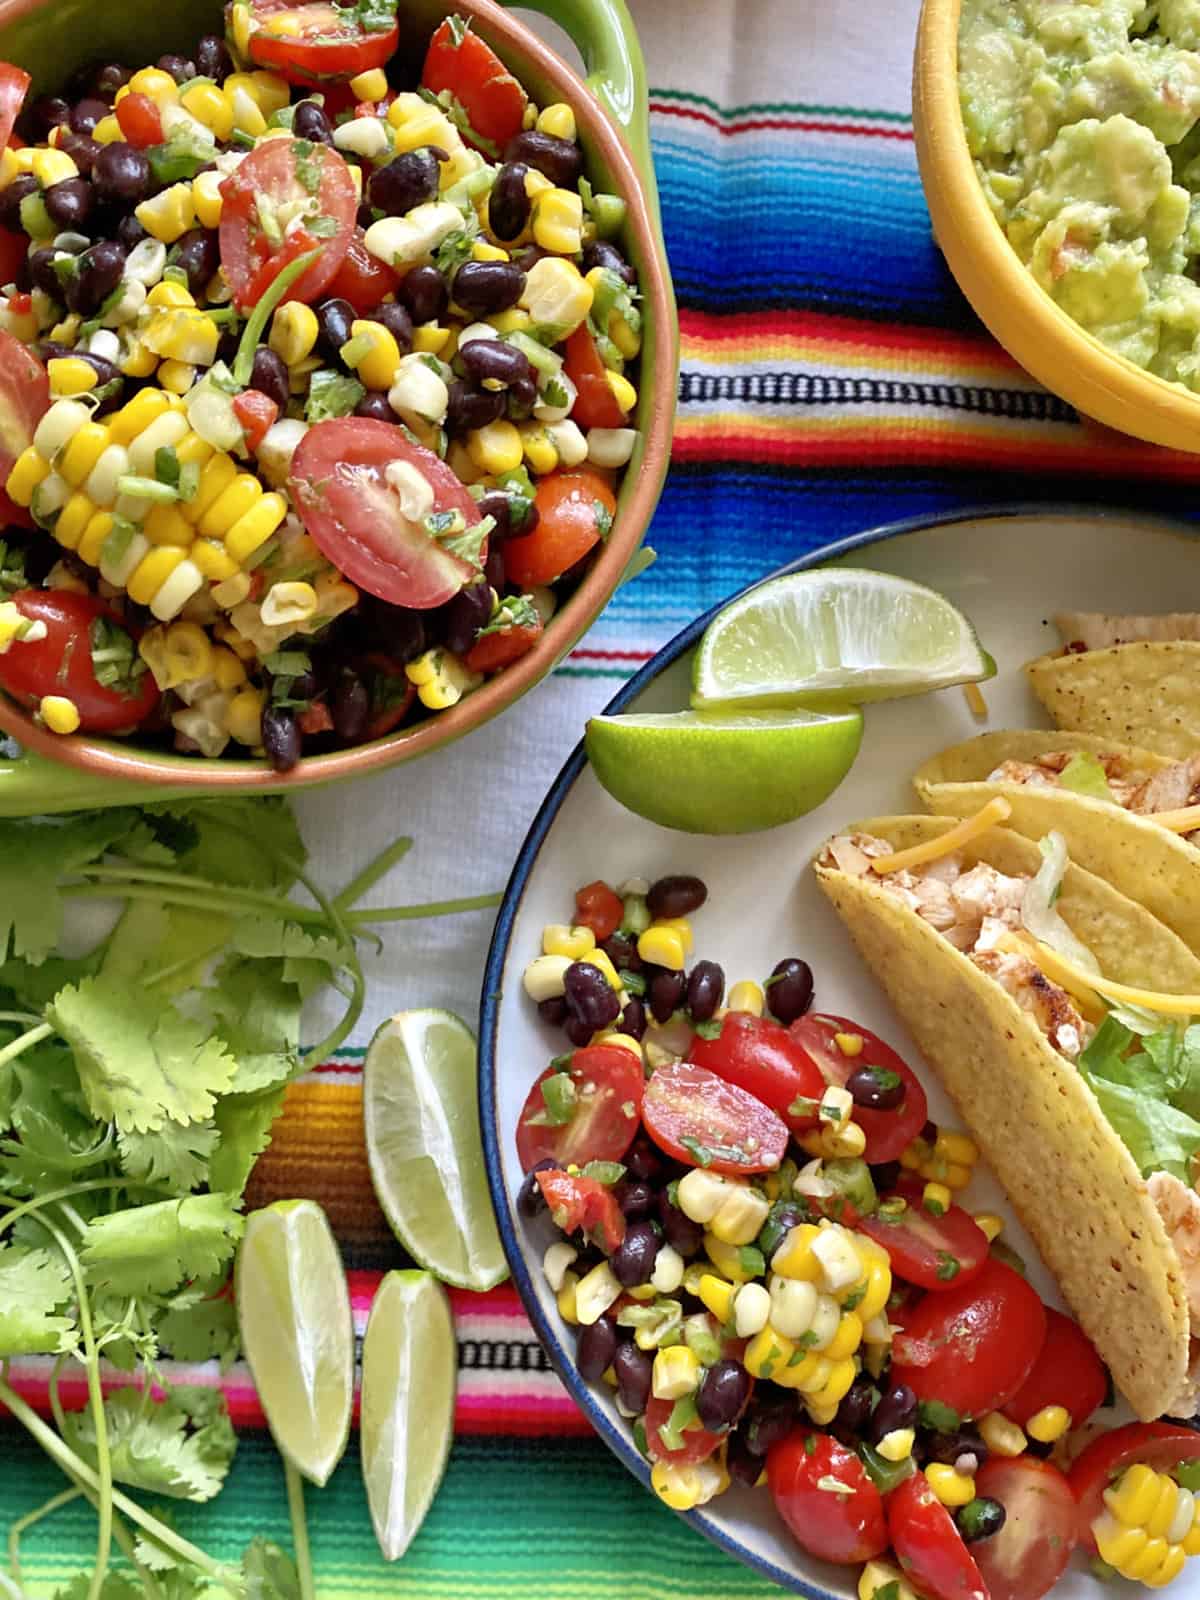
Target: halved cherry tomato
[24, 400]
[256, 412]
[61, 663]
[140, 121]
[331, 42]
[1067, 1372]
[698, 1443]
[271, 179]
[930, 1251]
[458, 60]
[928, 1545]
[355, 517]
[575, 511]
[700, 1119]
[844, 1524]
[599, 908]
[609, 1085]
[585, 1204]
[13, 516]
[1033, 1549]
[972, 1346]
[14, 86]
[315, 718]
[1160, 1445]
[888, 1132]
[596, 406]
[761, 1057]
[502, 648]
[362, 278]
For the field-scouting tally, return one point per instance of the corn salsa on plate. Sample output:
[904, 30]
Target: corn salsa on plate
[680, 1313]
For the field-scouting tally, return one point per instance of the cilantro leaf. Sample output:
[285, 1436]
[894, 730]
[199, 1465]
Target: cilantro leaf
[238, 840]
[175, 1156]
[149, 1250]
[34, 856]
[269, 1572]
[204, 1332]
[140, 1067]
[116, 1586]
[181, 1446]
[33, 1285]
[256, 1011]
[244, 1122]
[167, 946]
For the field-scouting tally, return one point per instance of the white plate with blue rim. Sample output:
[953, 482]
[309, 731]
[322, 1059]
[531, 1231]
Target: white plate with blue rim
[1008, 568]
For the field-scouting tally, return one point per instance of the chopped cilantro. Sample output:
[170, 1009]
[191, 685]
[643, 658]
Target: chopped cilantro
[457, 113]
[12, 568]
[372, 16]
[560, 1096]
[321, 227]
[605, 1172]
[604, 519]
[708, 1030]
[810, 1444]
[949, 1266]
[939, 1417]
[455, 248]
[1187, 1475]
[856, 1297]
[703, 1155]
[468, 546]
[115, 660]
[166, 465]
[331, 394]
[459, 28]
[752, 1261]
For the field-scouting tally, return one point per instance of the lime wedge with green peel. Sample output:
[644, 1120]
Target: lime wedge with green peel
[409, 1373]
[297, 1330]
[421, 1109]
[834, 636]
[730, 772]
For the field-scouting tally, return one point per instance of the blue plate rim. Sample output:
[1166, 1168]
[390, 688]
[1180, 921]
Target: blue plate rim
[619, 1440]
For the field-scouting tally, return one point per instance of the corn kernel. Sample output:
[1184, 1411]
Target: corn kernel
[877, 1575]
[676, 1373]
[156, 85]
[539, 448]
[850, 1044]
[58, 713]
[169, 215]
[177, 377]
[956, 1147]
[95, 537]
[496, 448]
[955, 1176]
[138, 360]
[836, 1143]
[566, 1299]
[242, 495]
[726, 1258]
[83, 452]
[52, 166]
[226, 669]
[740, 1216]
[1002, 1437]
[746, 996]
[952, 1488]
[847, 1338]
[9, 166]
[378, 366]
[165, 524]
[835, 1387]
[108, 131]
[430, 338]
[29, 470]
[1048, 1424]
[294, 331]
[620, 1041]
[879, 1288]
[701, 1194]
[936, 1198]
[209, 106]
[558, 120]
[72, 520]
[207, 198]
[216, 476]
[176, 590]
[1135, 1496]
[152, 573]
[558, 221]
[188, 652]
[172, 296]
[686, 1486]
[897, 1445]
[596, 1291]
[370, 85]
[717, 1296]
[69, 376]
[768, 1355]
[989, 1224]
[662, 946]
[751, 1310]
[623, 391]
[244, 717]
[794, 1257]
[559, 940]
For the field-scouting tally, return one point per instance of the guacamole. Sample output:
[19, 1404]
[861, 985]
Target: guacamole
[1084, 120]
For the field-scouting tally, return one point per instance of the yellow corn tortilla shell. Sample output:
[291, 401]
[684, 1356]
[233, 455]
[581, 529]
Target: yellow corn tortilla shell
[1145, 693]
[1071, 1181]
[1147, 863]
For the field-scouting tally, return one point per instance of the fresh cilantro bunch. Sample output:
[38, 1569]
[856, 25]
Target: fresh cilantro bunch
[138, 1085]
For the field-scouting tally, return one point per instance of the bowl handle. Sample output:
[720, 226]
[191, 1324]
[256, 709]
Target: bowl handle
[612, 58]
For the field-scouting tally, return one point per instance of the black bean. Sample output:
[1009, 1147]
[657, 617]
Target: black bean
[722, 1395]
[531, 1202]
[676, 896]
[949, 1446]
[410, 180]
[633, 1259]
[23, 185]
[364, 216]
[501, 506]
[463, 617]
[494, 359]
[130, 233]
[335, 318]
[577, 1031]
[637, 1200]
[680, 1232]
[595, 1351]
[553, 1010]
[423, 291]
[666, 994]
[49, 111]
[402, 634]
[980, 1518]
[854, 1411]
[121, 173]
[599, 253]
[705, 990]
[742, 1465]
[485, 288]
[470, 407]
[528, 258]
[100, 270]
[522, 397]
[872, 1090]
[590, 996]
[69, 203]
[281, 738]
[86, 113]
[374, 404]
[493, 571]
[771, 1418]
[227, 348]
[789, 989]
[199, 254]
[43, 276]
[108, 78]
[643, 1160]
[395, 318]
[622, 952]
[930, 1132]
[897, 1409]
[180, 68]
[311, 123]
[508, 203]
[350, 707]
[633, 1369]
[783, 1217]
[214, 61]
[556, 159]
[269, 376]
[885, 1175]
[82, 149]
[633, 1019]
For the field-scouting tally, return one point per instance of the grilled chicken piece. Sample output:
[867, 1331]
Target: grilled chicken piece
[1096, 630]
[1179, 1207]
[1051, 1007]
[1170, 789]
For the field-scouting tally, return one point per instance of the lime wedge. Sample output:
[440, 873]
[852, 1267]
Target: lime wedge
[297, 1332]
[409, 1374]
[734, 772]
[836, 635]
[421, 1110]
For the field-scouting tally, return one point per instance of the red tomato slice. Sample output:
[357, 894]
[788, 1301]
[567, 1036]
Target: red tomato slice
[458, 60]
[761, 1057]
[61, 663]
[599, 908]
[1160, 1445]
[355, 518]
[596, 406]
[698, 1444]
[14, 86]
[575, 509]
[269, 182]
[578, 1203]
[256, 412]
[608, 1103]
[14, 247]
[362, 278]
[888, 1132]
[972, 1346]
[140, 121]
[501, 649]
[828, 1522]
[1067, 1372]
[932, 1252]
[703, 1121]
[928, 1545]
[1033, 1549]
[24, 400]
[330, 43]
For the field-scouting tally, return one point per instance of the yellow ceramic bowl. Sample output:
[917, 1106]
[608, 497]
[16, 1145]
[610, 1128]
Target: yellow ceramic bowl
[1021, 315]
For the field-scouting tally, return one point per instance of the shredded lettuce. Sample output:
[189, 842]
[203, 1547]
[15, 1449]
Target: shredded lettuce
[1084, 775]
[1038, 913]
[1148, 1086]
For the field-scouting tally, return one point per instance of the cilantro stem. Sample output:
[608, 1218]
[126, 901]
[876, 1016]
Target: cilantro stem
[371, 874]
[304, 1566]
[243, 362]
[358, 989]
[30, 1520]
[224, 894]
[16, 1212]
[435, 908]
[28, 1018]
[25, 1041]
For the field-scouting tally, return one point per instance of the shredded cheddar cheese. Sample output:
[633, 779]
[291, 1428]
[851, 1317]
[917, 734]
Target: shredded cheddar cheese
[976, 704]
[996, 811]
[1185, 820]
[1084, 995]
[1070, 977]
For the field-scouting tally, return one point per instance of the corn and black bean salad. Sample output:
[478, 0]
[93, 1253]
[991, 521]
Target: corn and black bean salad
[763, 1245]
[314, 381]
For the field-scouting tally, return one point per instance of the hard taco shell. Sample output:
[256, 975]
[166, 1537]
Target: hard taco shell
[1146, 693]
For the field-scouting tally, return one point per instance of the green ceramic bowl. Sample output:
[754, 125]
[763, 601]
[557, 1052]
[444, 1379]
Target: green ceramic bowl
[49, 38]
